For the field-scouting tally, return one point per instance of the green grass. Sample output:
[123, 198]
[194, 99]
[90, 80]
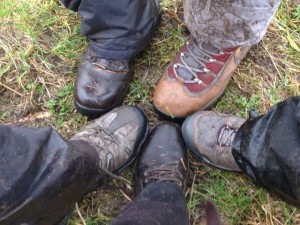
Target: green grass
[40, 46]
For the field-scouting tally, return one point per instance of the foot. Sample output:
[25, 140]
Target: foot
[195, 79]
[163, 157]
[210, 135]
[101, 84]
[116, 136]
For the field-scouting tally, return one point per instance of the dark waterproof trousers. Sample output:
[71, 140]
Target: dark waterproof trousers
[42, 176]
[267, 148]
[117, 29]
[159, 203]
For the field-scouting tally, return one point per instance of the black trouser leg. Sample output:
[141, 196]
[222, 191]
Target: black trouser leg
[42, 175]
[159, 203]
[267, 148]
[117, 29]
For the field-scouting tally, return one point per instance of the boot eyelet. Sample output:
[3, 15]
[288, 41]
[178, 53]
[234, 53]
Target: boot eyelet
[198, 81]
[206, 70]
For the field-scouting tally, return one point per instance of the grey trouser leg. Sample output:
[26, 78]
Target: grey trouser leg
[229, 23]
[117, 29]
[42, 176]
[267, 149]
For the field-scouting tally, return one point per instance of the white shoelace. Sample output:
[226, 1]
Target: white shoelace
[190, 57]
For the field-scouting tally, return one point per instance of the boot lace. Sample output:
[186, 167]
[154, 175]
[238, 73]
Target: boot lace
[162, 174]
[194, 61]
[226, 135]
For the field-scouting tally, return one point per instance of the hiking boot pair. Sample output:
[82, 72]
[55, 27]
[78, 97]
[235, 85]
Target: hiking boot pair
[208, 134]
[194, 80]
[118, 136]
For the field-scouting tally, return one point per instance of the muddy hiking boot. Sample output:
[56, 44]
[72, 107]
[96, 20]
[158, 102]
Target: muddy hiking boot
[101, 84]
[116, 136]
[195, 79]
[210, 135]
[163, 157]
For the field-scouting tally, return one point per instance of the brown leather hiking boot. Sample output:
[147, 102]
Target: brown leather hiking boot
[101, 84]
[163, 157]
[195, 79]
[116, 136]
[209, 135]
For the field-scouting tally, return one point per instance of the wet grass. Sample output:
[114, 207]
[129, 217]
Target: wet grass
[40, 46]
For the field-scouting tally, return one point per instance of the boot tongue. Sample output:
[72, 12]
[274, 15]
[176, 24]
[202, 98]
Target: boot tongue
[185, 74]
[113, 65]
[200, 54]
[209, 48]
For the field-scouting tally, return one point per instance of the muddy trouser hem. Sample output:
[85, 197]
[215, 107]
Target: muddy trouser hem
[267, 149]
[42, 175]
[117, 29]
[159, 203]
[227, 24]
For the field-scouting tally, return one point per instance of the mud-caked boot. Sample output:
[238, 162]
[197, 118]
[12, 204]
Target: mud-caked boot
[210, 135]
[163, 158]
[116, 136]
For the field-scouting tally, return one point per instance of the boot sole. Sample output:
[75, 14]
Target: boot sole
[93, 113]
[65, 219]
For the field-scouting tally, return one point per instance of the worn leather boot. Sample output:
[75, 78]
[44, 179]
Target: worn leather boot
[210, 135]
[195, 79]
[101, 84]
[163, 157]
[116, 136]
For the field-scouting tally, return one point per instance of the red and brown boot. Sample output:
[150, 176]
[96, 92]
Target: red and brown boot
[196, 78]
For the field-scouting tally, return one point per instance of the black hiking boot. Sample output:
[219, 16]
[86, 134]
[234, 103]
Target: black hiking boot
[163, 157]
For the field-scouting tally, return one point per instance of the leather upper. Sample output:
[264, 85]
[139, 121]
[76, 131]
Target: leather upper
[100, 83]
[163, 157]
[178, 97]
